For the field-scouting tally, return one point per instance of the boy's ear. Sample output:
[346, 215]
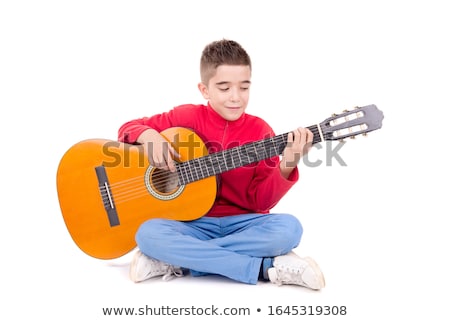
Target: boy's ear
[203, 90]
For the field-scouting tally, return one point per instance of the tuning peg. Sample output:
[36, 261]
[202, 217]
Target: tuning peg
[357, 107]
[342, 140]
[333, 115]
[365, 134]
[345, 111]
[352, 137]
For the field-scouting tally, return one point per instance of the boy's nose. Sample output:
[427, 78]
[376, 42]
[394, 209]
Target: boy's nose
[234, 96]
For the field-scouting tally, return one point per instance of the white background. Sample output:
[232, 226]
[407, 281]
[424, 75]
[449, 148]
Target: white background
[71, 70]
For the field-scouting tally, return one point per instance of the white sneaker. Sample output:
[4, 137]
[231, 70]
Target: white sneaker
[143, 267]
[292, 269]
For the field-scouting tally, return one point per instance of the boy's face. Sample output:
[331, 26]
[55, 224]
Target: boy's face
[228, 91]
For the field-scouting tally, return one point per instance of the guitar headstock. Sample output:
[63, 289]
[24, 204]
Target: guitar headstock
[360, 120]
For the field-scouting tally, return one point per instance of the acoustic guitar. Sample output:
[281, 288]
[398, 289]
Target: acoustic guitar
[107, 189]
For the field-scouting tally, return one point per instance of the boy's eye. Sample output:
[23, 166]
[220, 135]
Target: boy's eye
[224, 89]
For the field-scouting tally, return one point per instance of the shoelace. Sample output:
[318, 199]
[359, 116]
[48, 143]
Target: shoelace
[173, 272]
[290, 274]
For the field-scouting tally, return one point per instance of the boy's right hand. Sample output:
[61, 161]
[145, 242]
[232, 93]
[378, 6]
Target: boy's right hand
[160, 152]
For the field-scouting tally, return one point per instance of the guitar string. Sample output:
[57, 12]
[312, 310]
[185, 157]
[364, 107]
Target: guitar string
[136, 188]
[186, 165]
[180, 166]
[123, 192]
[275, 139]
[162, 177]
[132, 188]
[134, 180]
[131, 191]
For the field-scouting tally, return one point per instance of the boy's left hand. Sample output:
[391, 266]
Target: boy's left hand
[298, 145]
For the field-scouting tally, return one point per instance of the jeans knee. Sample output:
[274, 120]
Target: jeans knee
[291, 232]
[148, 234]
[293, 229]
[288, 234]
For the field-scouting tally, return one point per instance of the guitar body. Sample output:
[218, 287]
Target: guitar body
[107, 189]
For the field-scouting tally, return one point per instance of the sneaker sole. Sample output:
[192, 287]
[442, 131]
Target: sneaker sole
[133, 265]
[318, 271]
[286, 259]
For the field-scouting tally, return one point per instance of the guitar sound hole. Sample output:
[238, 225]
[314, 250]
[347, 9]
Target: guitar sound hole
[163, 181]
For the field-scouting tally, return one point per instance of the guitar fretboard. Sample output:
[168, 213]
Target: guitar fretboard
[225, 160]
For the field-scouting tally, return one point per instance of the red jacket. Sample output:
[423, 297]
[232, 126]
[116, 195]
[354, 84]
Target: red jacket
[248, 189]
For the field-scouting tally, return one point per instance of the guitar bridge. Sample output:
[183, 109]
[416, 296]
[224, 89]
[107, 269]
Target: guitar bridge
[106, 195]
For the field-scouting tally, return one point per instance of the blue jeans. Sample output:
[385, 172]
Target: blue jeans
[232, 246]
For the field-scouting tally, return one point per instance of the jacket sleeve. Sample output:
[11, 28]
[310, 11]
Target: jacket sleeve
[269, 186]
[183, 115]
[130, 131]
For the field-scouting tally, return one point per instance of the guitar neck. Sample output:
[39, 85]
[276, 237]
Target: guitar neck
[226, 160]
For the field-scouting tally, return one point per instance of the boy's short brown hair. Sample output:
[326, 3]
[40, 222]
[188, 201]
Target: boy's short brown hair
[221, 52]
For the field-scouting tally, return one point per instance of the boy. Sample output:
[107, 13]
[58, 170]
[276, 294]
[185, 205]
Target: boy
[238, 238]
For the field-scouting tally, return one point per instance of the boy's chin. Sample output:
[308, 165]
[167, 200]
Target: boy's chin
[232, 116]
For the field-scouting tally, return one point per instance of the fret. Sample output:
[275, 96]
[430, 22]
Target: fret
[234, 152]
[212, 166]
[256, 152]
[181, 174]
[268, 148]
[203, 171]
[317, 131]
[207, 162]
[218, 163]
[212, 163]
[246, 152]
[215, 163]
[249, 151]
[189, 171]
[203, 168]
[192, 170]
[262, 150]
[239, 156]
[229, 164]
[273, 146]
[198, 168]
[282, 142]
